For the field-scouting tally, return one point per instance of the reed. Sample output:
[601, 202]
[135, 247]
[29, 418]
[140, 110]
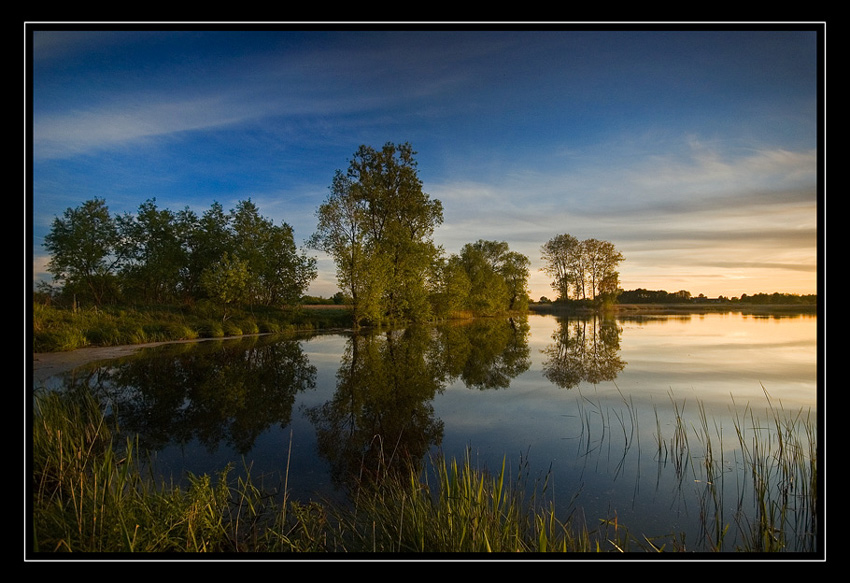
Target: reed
[775, 497]
[94, 494]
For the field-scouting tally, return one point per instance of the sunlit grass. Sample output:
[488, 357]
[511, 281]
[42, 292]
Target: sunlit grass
[58, 330]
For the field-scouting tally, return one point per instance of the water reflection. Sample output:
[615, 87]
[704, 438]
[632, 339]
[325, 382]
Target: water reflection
[380, 414]
[486, 353]
[351, 406]
[584, 350]
[213, 392]
[381, 417]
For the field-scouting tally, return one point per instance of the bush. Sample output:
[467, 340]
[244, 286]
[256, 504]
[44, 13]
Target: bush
[210, 329]
[59, 339]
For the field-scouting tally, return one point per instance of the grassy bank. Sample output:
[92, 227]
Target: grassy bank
[92, 494]
[57, 330]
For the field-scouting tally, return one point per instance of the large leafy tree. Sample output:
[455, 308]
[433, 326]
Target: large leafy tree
[498, 277]
[400, 222]
[84, 253]
[152, 243]
[377, 224]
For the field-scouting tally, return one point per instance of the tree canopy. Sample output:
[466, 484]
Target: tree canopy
[158, 256]
[378, 226]
[376, 223]
[584, 269]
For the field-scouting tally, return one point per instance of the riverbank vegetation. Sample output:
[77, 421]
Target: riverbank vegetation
[92, 492]
[376, 224]
[57, 329]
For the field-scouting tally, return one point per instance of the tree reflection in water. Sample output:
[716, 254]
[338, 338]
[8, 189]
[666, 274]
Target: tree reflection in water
[215, 392]
[584, 350]
[380, 420]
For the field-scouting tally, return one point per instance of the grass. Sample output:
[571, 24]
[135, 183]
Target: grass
[94, 494]
[57, 330]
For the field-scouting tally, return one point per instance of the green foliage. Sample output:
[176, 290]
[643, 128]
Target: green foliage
[83, 247]
[158, 256]
[377, 224]
[498, 278]
[226, 282]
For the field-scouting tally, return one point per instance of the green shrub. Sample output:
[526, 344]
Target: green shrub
[210, 329]
[59, 339]
[231, 328]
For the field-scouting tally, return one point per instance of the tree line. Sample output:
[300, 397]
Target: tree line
[646, 296]
[376, 223]
[158, 256]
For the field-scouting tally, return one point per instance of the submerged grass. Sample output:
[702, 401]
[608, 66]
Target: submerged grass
[93, 495]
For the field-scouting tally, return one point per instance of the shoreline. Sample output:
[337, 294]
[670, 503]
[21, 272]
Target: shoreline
[47, 364]
[660, 309]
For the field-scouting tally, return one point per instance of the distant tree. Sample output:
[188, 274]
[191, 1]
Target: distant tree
[586, 268]
[83, 247]
[601, 264]
[560, 254]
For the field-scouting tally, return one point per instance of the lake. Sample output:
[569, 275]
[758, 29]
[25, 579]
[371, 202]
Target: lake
[591, 412]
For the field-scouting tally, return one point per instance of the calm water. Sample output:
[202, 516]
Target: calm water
[575, 403]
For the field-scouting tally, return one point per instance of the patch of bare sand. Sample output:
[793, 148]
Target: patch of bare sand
[47, 364]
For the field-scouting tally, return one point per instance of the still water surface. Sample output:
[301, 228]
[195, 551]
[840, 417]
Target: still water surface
[577, 404]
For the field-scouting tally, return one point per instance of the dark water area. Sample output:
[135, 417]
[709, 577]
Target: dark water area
[588, 406]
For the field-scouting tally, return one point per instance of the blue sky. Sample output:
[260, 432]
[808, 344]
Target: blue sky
[694, 152]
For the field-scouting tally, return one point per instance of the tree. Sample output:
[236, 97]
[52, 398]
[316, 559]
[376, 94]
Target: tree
[560, 253]
[208, 237]
[377, 224]
[277, 274]
[450, 286]
[498, 277]
[400, 222]
[83, 247]
[152, 244]
[601, 263]
[227, 281]
[341, 232]
[587, 268]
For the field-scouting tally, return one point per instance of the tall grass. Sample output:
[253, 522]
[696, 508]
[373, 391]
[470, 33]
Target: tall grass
[772, 506]
[57, 330]
[94, 493]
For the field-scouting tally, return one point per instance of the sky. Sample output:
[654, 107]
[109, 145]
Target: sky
[696, 151]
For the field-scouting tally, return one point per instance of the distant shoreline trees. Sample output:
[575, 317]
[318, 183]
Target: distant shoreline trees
[645, 296]
[582, 270]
